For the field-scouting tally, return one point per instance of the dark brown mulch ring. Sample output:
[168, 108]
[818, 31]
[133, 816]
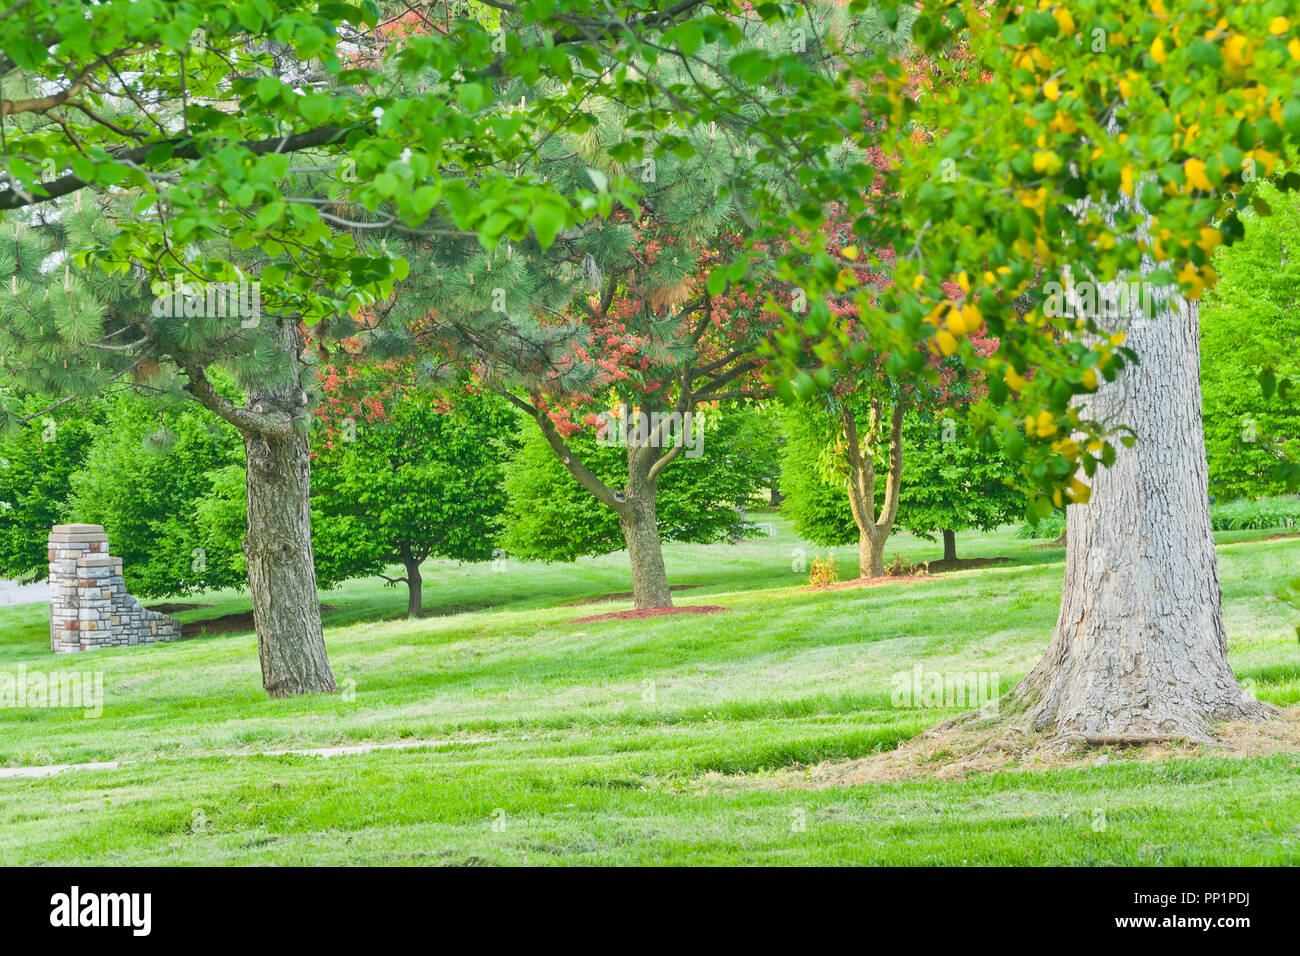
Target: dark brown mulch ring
[240, 622]
[620, 596]
[174, 608]
[638, 613]
[965, 564]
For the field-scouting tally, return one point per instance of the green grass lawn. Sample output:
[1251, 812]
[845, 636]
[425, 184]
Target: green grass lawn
[627, 741]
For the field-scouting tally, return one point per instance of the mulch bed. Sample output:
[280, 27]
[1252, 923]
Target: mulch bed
[923, 571]
[225, 624]
[238, 623]
[638, 613]
[620, 596]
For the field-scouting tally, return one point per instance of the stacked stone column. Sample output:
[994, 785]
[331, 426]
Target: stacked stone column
[89, 605]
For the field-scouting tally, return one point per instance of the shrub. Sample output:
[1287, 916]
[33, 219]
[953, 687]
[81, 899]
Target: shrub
[900, 567]
[1257, 515]
[1047, 529]
[822, 572]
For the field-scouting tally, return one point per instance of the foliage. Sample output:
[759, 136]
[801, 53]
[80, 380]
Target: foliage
[1172, 116]
[149, 470]
[1252, 320]
[424, 479]
[1046, 529]
[900, 567]
[813, 477]
[948, 483]
[37, 464]
[1255, 515]
[822, 572]
[1260, 514]
[700, 499]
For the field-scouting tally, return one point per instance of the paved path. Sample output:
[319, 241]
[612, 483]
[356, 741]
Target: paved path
[50, 770]
[11, 592]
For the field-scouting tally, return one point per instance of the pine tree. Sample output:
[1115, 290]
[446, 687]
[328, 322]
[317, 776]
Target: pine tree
[72, 328]
[612, 329]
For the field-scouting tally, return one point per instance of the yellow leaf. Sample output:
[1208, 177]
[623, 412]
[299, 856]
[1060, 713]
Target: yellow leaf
[1158, 50]
[1237, 51]
[1196, 178]
[1279, 25]
[1045, 425]
[947, 344]
[1047, 163]
[956, 322]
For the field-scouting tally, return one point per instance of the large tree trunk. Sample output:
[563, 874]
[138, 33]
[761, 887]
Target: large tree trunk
[644, 550]
[950, 546]
[1140, 649]
[277, 545]
[281, 569]
[414, 583]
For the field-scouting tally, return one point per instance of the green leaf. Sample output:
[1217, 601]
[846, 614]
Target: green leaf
[547, 221]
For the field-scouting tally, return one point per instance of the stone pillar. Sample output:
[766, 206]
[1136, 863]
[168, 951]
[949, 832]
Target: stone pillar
[89, 605]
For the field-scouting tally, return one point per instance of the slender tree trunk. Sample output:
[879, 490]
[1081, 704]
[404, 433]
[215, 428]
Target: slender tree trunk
[281, 569]
[1140, 649]
[873, 530]
[644, 549]
[414, 583]
[950, 545]
[634, 505]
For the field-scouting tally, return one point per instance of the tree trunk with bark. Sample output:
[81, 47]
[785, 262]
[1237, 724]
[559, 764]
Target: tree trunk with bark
[281, 568]
[277, 545]
[644, 549]
[873, 530]
[1140, 651]
[634, 505]
[414, 583]
[950, 545]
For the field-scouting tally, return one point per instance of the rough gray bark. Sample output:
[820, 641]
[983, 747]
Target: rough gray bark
[281, 568]
[645, 552]
[873, 530]
[277, 545]
[1140, 649]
